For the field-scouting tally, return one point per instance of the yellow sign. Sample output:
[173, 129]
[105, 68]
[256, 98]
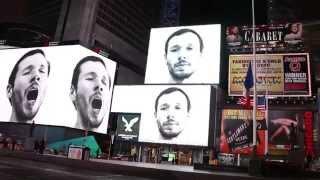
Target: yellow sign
[270, 73]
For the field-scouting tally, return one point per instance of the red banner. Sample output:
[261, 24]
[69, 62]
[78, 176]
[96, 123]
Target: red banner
[308, 135]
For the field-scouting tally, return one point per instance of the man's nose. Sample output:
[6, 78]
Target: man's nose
[35, 77]
[99, 87]
[170, 115]
[182, 58]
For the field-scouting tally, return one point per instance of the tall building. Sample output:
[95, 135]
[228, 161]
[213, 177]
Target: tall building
[120, 28]
[282, 11]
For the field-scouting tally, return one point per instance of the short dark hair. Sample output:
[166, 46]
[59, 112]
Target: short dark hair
[13, 74]
[171, 90]
[76, 71]
[182, 31]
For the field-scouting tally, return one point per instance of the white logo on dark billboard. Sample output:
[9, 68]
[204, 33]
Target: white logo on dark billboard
[128, 125]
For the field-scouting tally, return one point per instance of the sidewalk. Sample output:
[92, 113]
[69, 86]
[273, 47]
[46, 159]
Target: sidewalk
[140, 169]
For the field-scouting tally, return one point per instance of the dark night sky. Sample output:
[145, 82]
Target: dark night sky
[222, 12]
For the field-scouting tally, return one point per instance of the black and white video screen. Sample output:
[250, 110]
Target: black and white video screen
[59, 85]
[184, 55]
[170, 114]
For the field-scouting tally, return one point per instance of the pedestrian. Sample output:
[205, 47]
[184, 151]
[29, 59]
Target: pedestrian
[14, 142]
[32, 126]
[5, 143]
[293, 136]
[309, 161]
[173, 160]
[41, 146]
[36, 146]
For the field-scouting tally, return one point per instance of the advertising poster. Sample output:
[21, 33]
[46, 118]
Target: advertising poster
[128, 126]
[296, 76]
[267, 37]
[287, 128]
[276, 74]
[170, 114]
[58, 85]
[237, 132]
[184, 55]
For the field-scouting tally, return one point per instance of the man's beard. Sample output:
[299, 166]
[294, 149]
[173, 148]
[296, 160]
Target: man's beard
[179, 77]
[23, 117]
[168, 136]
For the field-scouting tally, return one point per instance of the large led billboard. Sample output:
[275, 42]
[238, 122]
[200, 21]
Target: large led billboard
[170, 114]
[185, 54]
[59, 85]
[276, 74]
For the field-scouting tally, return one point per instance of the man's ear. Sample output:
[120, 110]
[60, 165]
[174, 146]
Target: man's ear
[155, 116]
[188, 115]
[72, 93]
[165, 57]
[9, 91]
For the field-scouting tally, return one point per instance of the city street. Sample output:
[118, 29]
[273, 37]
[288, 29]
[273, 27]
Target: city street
[17, 169]
[29, 166]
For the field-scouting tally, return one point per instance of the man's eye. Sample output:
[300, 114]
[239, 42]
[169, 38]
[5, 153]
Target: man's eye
[104, 82]
[89, 78]
[189, 48]
[178, 107]
[174, 49]
[42, 71]
[163, 108]
[26, 72]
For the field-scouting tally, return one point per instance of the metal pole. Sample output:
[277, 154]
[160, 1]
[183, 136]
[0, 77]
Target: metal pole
[267, 121]
[254, 140]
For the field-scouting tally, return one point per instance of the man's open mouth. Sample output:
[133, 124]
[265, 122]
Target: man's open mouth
[96, 103]
[32, 94]
[181, 65]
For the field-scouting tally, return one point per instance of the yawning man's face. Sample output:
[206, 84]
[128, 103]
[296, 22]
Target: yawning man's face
[30, 84]
[91, 92]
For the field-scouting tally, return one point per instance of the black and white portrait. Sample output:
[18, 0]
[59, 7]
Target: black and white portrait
[90, 87]
[27, 85]
[172, 108]
[40, 91]
[184, 55]
[169, 114]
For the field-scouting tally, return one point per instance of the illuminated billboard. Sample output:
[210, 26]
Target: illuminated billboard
[276, 74]
[60, 85]
[274, 37]
[170, 114]
[128, 126]
[237, 133]
[184, 55]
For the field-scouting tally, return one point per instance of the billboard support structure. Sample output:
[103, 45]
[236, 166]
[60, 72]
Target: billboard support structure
[254, 140]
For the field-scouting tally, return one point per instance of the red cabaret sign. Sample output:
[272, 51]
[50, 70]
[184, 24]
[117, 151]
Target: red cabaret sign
[308, 135]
